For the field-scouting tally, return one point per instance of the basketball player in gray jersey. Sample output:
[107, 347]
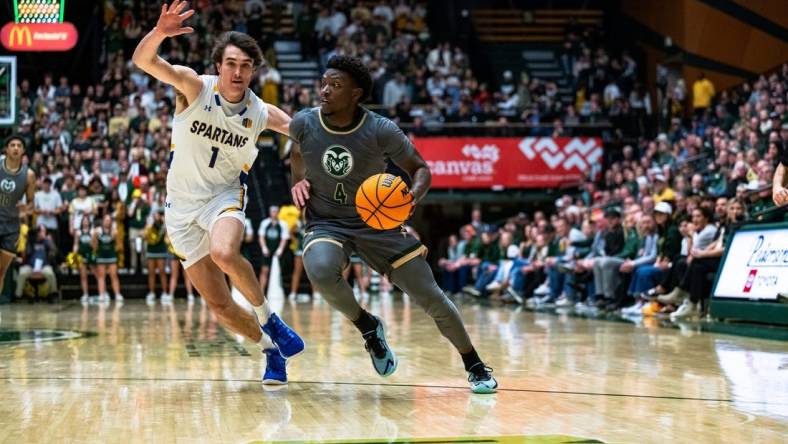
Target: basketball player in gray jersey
[16, 180]
[340, 144]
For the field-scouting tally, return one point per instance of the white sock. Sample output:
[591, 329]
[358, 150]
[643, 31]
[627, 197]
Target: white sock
[263, 312]
[265, 341]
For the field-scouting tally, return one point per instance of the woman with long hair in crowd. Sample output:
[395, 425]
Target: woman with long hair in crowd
[702, 234]
[703, 261]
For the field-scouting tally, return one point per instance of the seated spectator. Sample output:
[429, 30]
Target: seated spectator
[614, 241]
[491, 253]
[511, 253]
[581, 281]
[530, 275]
[37, 261]
[559, 262]
[609, 269]
[450, 264]
[703, 234]
[645, 257]
[647, 276]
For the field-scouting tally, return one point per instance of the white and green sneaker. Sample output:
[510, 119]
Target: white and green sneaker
[481, 379]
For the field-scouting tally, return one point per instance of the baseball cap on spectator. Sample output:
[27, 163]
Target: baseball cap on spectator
[662, 137]
[136, 193]
[659, 177]
[753, 185]
[612, 212]
[774, 115]
[663, 207]
[641, 181]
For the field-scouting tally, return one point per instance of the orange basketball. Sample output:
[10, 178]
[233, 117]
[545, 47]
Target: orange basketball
[384, 201]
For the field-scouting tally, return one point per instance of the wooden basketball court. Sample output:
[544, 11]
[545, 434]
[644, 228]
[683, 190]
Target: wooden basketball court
[135, 373]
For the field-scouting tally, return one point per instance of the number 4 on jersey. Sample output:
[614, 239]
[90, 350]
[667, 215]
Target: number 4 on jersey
[339, 194]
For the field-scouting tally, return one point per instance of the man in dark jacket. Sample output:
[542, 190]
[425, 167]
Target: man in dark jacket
[38, 260]
[615, 242]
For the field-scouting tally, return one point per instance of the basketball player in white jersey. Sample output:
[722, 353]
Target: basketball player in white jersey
[217, 121]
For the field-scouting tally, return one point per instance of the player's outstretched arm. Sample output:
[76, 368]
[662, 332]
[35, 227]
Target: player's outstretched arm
[146, 55]
[278, 120]
[779, 190]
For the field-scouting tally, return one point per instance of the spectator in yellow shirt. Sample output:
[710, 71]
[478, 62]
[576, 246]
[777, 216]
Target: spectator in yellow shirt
[662, 192]
[702, 93]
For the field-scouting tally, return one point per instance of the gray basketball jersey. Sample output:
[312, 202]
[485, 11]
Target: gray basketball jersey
[12, 188]
[338, 162]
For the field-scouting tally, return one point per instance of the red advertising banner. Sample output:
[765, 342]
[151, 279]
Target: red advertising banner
[509, 162]
[38, 36]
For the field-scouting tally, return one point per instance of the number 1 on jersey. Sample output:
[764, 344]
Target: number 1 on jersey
[215, 150]
[339, 194]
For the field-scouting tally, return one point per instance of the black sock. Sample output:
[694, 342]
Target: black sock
[365, 322]
[470, 359]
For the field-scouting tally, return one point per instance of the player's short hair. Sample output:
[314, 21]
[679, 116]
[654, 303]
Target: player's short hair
[243, 41]
[354, 67]
[13, 137]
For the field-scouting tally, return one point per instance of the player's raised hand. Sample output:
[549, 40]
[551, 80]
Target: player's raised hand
[300, 192]
[172, 17]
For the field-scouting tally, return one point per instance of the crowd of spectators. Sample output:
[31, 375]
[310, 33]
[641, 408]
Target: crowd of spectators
[102, 149]
[649, 236]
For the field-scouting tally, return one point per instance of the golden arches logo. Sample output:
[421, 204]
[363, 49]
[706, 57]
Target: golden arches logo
[20, 35]
[38, 36]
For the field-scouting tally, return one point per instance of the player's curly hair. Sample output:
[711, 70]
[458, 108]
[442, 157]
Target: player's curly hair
[354, 67]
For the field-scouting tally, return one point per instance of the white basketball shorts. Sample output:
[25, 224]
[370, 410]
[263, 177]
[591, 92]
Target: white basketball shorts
[189, 222]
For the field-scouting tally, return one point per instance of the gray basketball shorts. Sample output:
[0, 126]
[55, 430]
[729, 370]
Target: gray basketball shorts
[383, 250]
[9, 235]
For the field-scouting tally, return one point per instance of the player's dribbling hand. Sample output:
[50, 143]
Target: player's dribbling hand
[172, 17]
[300, 193]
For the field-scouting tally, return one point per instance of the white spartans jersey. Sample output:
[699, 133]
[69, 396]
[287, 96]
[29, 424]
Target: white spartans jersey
[211, 151]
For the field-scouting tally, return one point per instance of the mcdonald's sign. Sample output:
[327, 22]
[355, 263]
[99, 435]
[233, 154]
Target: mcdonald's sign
[38, 36]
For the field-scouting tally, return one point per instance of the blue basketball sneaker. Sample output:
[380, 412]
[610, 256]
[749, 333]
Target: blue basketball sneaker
[481, 379]
[275, 367]
[285, 339]
[383, 358]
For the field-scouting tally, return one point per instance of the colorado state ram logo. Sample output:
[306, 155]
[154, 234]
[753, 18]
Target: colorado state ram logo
[337, 161]
[7, 186]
